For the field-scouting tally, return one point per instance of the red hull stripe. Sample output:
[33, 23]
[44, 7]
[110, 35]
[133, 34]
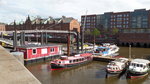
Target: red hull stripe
[133, 77]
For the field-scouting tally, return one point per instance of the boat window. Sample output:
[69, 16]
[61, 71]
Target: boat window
[138, 65]
[34, 51]
[59, 62]
[82, 58]
[73, 60]
[70, 61]
[52, 49]
[134, 64]
[141, 65]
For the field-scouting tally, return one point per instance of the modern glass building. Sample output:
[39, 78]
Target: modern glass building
[138, 18]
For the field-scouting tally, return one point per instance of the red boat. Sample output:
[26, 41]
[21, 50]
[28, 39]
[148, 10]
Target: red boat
[71, 61]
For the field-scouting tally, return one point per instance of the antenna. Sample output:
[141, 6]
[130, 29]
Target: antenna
[83, 28]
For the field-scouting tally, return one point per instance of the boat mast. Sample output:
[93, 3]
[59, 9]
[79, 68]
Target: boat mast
[68, 44]
[83, 28]
[129, 51]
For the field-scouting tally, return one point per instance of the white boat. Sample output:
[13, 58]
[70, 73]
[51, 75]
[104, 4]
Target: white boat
[106, 49]
[117, 66]
[138, 68]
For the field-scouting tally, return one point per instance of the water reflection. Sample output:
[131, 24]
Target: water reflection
[91, 73]
[137, 80]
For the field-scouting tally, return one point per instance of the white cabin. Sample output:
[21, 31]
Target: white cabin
[139, 65]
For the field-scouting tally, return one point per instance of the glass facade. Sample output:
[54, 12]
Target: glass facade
[139, 18]
[136, 19]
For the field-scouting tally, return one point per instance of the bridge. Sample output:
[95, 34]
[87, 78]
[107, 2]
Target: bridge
[10, 42]
[34, 31]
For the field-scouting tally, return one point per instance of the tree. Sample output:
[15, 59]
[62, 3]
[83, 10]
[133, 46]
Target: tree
[95, 33]
[88, 32]
[115, 31]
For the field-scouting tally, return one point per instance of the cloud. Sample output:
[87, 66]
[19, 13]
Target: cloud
[19, 9]
[2, 2]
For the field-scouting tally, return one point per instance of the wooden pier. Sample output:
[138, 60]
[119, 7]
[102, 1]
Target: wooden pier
[105, 58]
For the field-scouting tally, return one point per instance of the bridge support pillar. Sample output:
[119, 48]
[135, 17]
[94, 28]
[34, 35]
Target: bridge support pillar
[42, 38]
[1, 34]
[46, 41]
[15, 40]
[22, 36]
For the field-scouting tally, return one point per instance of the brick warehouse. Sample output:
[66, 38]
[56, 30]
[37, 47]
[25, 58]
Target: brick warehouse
[136, 37]
[137, 20]
[2, 27]
[50, 23]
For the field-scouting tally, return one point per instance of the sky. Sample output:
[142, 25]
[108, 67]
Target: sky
[18, 10]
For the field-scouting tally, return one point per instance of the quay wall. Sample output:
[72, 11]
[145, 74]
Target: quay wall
[14, 72]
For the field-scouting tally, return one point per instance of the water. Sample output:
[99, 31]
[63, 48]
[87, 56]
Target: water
[92, 73]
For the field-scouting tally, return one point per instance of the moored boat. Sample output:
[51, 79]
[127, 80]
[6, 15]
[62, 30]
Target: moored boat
[117, 66]
[106, 49]
[71, 61]
[138, 68]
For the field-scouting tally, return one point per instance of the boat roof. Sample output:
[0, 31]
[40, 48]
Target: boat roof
[78, 56]
[123, 60]
[37, 46]
[140, 61]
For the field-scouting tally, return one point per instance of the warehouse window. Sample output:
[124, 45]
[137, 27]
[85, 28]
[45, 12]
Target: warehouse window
[34, 51]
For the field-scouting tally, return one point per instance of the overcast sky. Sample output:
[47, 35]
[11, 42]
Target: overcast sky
[18, 10]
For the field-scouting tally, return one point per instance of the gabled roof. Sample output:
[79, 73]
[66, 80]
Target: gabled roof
[49, 20]
[67, 20]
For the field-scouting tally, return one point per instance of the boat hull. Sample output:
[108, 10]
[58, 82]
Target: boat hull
[136, 75]
[58, 67]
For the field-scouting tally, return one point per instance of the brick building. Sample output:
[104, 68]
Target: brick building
[120, 20]
[38, 23]
[135, 37]
[90, 22]
[50, 23]
[2, 27]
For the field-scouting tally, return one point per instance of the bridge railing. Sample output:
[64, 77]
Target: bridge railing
[8, 41]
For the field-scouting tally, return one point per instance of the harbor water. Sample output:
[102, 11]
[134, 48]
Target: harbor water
[91, 73]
